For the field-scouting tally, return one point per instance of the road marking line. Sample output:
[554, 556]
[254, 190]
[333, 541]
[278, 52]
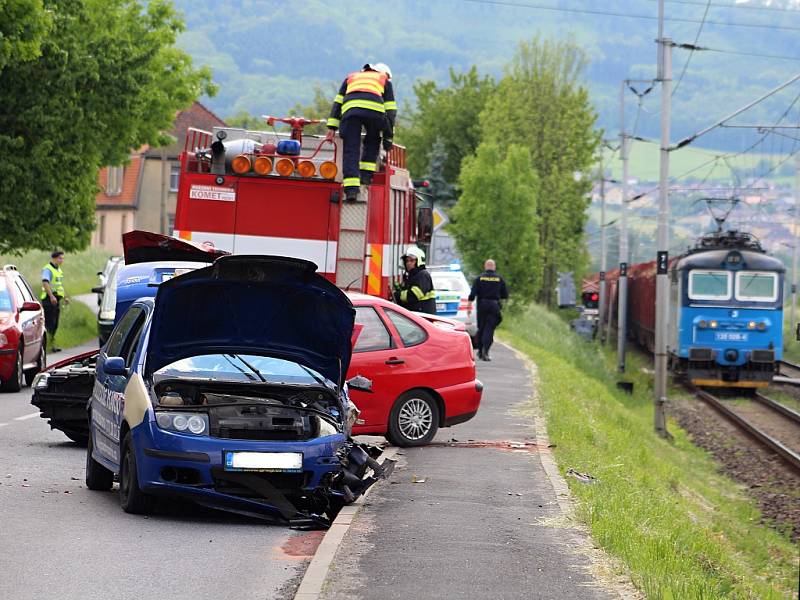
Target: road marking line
[26, 417]
[317, 570]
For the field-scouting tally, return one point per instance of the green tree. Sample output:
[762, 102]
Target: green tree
[449, 114]
[245, 120]
[441, 192]
[114, 81]
[541, 104]
[319, 108]
[23, 25]
[496, 216]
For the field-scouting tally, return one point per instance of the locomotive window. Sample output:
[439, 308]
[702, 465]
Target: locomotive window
[757, 287]
[709, 285]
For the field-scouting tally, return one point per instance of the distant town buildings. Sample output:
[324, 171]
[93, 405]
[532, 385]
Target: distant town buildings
[143, 194]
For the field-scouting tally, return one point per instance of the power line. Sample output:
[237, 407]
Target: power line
[587, 11]
[736, 6]
[774, 9]
[693, 48]
[756, 54]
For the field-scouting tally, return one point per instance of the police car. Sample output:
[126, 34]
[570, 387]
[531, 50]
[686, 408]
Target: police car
[452, 295]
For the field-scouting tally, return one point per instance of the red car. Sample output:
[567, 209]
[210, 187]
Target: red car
[422, 372]
[22, 337]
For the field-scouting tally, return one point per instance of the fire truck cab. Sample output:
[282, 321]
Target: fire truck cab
[280, 193]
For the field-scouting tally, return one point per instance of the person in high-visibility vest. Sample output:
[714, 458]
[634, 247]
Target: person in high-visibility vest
[52, 295]
[416, 292]
[365, 101]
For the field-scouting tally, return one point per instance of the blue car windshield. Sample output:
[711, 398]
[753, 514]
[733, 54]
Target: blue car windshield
[243, 368]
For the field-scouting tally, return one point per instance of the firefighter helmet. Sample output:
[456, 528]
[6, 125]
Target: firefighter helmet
[415, 252]
[382, 67]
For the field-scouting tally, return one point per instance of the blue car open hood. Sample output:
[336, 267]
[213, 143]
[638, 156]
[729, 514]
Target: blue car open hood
[263, 305]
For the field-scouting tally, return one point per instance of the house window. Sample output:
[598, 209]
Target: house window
[124, 223]
[114, 181]
[170, 223]
[102, 229]
[174, 175]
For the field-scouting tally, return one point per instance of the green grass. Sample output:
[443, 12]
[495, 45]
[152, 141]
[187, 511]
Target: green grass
[682, 529]
[80, 268]
[77, 325]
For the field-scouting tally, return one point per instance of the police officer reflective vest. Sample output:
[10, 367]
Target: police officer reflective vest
[56, 281]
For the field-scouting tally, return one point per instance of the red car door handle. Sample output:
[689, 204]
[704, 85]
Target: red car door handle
[395, 361]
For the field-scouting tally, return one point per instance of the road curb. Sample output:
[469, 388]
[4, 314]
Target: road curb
[317, 571]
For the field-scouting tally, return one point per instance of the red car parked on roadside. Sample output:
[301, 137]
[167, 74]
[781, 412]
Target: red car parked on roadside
[22, 336]
[422, 372]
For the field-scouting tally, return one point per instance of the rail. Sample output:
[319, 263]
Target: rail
[778, 407]
[787, 454]
[789, 366]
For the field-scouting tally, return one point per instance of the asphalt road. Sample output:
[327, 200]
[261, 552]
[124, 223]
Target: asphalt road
[473, 515]
[60, 540]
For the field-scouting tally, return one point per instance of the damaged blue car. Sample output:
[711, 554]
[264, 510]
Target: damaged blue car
[228, 389]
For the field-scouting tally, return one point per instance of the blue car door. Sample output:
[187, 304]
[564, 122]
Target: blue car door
[108, 399]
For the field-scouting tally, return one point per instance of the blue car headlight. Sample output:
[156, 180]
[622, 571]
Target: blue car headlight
[194, 423]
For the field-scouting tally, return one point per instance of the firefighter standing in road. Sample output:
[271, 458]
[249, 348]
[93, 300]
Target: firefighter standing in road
[490, 289]
[365, 101]
[52, 295]
[416, 292]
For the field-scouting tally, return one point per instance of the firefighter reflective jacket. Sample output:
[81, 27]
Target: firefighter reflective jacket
[364, 91]
[416, 292]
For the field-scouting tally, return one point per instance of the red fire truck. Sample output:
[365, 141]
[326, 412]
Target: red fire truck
[270, 192]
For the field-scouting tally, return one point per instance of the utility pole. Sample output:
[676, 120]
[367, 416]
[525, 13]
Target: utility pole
[602, 303]
[622, 285]
[662, 238]
[795, 241]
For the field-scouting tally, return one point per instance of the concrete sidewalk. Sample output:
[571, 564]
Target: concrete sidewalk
[475, 515]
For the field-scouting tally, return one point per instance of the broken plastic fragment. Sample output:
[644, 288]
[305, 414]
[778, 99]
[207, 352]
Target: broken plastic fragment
[582, 477]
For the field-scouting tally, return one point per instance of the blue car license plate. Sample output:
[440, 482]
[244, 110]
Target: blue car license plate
[270, 462]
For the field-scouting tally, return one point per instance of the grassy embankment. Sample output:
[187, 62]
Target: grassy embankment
[78, 322]
[682, 529]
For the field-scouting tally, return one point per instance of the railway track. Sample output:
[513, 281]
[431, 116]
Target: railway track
[789, 369]
[789, 455]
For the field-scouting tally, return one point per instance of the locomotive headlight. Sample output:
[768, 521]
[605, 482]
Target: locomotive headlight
[751, 325]
[713, 324]
[762, 326]
[702, 324]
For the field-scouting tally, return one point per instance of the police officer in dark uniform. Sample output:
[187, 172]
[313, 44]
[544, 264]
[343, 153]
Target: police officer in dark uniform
[416, 292]
[490, 289]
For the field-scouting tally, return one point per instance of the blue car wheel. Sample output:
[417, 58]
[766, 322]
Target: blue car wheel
[131, 498]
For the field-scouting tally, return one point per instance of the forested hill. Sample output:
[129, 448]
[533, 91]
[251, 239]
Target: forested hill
[268, 55]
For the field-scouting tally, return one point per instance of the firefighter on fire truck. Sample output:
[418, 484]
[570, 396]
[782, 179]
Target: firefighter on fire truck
[365, 101]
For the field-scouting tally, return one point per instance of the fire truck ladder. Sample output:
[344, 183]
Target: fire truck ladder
[352, 247]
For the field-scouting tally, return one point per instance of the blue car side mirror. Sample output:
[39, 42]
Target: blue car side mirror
[115, 365]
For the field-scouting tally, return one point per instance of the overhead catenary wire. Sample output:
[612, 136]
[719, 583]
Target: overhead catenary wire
[590, 11]
[692, 49]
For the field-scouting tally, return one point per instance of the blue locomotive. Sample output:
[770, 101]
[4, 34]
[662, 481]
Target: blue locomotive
[726, 312]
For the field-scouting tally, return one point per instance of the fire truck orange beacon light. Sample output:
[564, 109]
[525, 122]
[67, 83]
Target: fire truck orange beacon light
[263, 165]
[328, 170]
[284, 167]
[306, 169]
[240, 164]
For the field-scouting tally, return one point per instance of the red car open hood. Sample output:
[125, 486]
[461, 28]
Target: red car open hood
[146, 246]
